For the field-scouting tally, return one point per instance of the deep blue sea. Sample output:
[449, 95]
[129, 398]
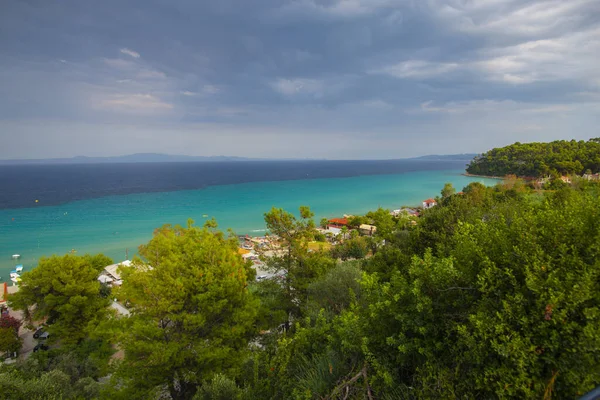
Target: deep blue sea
[113, 208]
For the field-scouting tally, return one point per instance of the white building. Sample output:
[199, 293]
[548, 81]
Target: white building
[429, 203]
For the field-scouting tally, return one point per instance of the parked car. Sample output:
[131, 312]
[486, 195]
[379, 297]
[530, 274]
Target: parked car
[41, 346]
[38, 332]
[261, 277]
[44, 335]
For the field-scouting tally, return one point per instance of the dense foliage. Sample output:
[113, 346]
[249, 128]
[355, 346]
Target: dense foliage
[493, 293]
[65, 291]
[539, 159]
[192, 317]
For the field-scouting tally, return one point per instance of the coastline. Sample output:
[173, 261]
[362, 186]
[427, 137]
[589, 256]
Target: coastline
[483, 176]
[112, 224]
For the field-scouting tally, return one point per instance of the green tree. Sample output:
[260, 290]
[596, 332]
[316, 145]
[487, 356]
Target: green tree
[66, 291]
[220, 388]
[323, 223]
[385, 223]
[539, 159]
[356, 247]
[503, 306]
[336, 290]
[192, 314]
[38, 378]
[293, 262]
[448, 190]
[356, 221]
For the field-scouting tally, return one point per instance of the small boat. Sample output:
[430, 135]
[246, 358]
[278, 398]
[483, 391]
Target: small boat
[19, 268]
[15, 280]
[204, 215]
[14, 274]
[15, 256]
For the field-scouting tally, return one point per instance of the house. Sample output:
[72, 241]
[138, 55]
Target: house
[429, 203]
[338, 222]
[410, 212]
[366, 229]
[332, 229]
[111, 274]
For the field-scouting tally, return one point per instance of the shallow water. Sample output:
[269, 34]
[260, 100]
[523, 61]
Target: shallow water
[115, 224]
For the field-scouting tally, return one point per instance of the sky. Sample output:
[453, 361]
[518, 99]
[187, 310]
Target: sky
[338, 79]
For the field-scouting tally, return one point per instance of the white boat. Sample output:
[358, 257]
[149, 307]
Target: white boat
[15, 256]
[19, 268]
[15, 280]
[14, 274]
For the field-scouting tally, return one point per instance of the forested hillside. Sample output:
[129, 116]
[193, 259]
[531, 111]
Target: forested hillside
[493, 293]
[539, 159]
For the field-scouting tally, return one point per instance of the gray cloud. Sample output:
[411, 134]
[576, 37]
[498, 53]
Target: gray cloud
[362, 78]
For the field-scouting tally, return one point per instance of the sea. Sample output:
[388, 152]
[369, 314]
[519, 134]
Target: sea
[113, 208]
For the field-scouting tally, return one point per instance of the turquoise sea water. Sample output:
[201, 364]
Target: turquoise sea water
[110, 225]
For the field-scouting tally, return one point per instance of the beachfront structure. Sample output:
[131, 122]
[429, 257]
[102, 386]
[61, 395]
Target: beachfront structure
[367, 229]
[112, 272]
[338, 222]
[429, 203]
[334, 230]
[105, 279]
[405, 211]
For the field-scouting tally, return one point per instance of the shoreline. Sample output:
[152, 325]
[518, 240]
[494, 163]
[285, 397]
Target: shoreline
[483, 176]
[91, 224]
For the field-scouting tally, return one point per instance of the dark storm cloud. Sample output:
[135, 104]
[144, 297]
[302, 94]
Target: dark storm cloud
[271, 75]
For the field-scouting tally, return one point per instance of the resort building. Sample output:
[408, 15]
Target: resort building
[429, 203]
[367, 229]
[111, 274]
[338, 222]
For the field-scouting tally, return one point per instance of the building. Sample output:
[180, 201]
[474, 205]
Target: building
[429, 203]
[338, 222]
[367, 229]
[332, 229]
[111, 274]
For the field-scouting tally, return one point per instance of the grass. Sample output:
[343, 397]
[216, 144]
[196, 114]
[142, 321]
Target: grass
[319, 245]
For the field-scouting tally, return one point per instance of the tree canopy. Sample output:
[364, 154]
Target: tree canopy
[493, 294]
[192, 313]
[539, 159]
[65, 290]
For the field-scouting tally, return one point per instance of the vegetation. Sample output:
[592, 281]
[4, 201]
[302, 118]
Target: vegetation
[192, 317]
[65, 291]
[560, 157]
[493, 293]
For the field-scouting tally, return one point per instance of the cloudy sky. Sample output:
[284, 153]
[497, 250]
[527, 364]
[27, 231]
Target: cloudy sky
[295, 78]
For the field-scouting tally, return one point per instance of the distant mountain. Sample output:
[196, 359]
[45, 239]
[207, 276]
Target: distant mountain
[130, 158]
[448, 157]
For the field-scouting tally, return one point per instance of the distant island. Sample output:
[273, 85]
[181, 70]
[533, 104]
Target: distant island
[535, 160]
[169, 158]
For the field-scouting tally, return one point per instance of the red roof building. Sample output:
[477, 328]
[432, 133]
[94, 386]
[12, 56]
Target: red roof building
[429, 203]
[338, 222]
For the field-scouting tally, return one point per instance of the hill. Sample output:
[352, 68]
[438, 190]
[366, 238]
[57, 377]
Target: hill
[560, 157]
